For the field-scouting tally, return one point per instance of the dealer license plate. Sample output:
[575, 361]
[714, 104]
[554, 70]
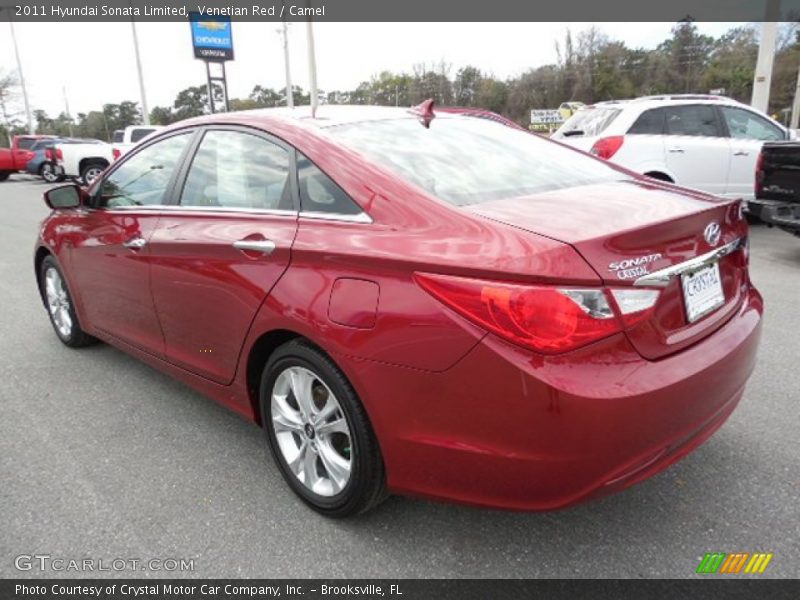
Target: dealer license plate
[702, 292]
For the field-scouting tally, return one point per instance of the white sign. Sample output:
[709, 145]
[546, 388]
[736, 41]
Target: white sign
[546, 117]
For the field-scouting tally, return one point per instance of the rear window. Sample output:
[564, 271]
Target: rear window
[138, 134]
[26, 143]
[119, 135]
[589, 122]
[468, 161]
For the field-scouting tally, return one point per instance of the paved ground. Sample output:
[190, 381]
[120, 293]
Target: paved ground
[101, 456]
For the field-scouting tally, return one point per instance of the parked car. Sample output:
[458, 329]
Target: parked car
[84, 161]
[125, 139]
[15, 159]
[710, 143]
[777, 189]
[43, 162]
[415, 302]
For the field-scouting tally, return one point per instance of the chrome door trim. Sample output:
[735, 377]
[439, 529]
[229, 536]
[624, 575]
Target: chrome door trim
[662, 277]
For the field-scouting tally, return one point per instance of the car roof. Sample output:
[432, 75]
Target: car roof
[327, 115]
[646, 102]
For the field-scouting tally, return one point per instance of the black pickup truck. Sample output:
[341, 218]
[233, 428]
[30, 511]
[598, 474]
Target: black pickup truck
[777, 192]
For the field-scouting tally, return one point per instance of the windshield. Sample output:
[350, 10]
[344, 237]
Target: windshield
[467, 161]
[588, 121]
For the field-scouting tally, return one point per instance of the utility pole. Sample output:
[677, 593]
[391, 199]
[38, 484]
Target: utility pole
[289, 91]
[21, 77]
[796, 104]
[66, 106]
[145, 111]
[312, 68]
[766, 56]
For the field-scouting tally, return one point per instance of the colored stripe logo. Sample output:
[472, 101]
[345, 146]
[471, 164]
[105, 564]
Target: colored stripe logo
[734, 563]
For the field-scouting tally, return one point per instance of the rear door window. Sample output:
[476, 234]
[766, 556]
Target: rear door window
[695, 120]
[650, 122]
[319, 193]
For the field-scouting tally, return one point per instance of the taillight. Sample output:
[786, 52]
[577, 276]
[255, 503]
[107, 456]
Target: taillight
[48, 153]
[59, 154]
[545, 318]
[607, 147]
[116, 153]
[759, 173]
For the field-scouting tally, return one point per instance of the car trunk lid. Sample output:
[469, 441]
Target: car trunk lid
[630, 229]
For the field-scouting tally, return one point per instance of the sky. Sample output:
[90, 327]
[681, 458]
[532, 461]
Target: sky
[95, 62]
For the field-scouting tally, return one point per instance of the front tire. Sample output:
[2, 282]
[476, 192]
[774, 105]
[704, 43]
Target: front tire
[4, 175]
[319, 433]
[60, 306]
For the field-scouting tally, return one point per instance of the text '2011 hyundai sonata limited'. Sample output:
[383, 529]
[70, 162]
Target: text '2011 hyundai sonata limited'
[415, 301]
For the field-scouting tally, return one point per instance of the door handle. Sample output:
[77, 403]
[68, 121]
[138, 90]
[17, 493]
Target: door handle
[136, 243]
[265, 247]
[741, 153]
[676, 150]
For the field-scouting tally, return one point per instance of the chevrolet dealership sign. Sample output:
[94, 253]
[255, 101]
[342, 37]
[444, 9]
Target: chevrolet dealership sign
[211, 37]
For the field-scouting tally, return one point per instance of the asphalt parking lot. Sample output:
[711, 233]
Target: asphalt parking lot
[104, 457]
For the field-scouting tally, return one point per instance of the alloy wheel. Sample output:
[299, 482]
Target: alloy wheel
[311, 431]
[91, 174]
[49, 173]
[58, 302]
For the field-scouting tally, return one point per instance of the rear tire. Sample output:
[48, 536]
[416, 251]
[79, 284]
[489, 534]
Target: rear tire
[4, 175]
[60, 307]
[91, 172]
[48, 173]
[336, 464]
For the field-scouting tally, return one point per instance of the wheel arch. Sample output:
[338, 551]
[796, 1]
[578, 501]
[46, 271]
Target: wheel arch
[257, 358]
[42, 252]
[85, 162]
[660, 175]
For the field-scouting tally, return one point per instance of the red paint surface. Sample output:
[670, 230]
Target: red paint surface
[459, 414]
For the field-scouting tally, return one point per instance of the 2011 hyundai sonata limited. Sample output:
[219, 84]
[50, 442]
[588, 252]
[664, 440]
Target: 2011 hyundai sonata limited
[416, 302]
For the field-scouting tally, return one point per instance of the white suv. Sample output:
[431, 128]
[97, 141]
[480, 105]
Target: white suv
[706, 142]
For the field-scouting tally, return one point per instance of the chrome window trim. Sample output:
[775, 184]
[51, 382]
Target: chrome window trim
[361, 217]
[172, 208]
[662, 277]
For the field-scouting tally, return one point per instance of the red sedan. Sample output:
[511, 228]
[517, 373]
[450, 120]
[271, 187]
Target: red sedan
[415, 302]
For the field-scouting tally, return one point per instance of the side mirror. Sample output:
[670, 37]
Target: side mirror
[63, 196]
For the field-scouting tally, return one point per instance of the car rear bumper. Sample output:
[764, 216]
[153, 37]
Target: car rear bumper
[509, 429]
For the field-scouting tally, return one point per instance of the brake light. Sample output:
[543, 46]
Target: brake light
[759, 173]
[547, 319]
[59, 154]
[607, 147]
[116, 153]
[48, 153]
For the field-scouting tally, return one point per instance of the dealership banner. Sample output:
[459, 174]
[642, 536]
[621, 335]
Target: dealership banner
[399, 589]
[402, 11]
